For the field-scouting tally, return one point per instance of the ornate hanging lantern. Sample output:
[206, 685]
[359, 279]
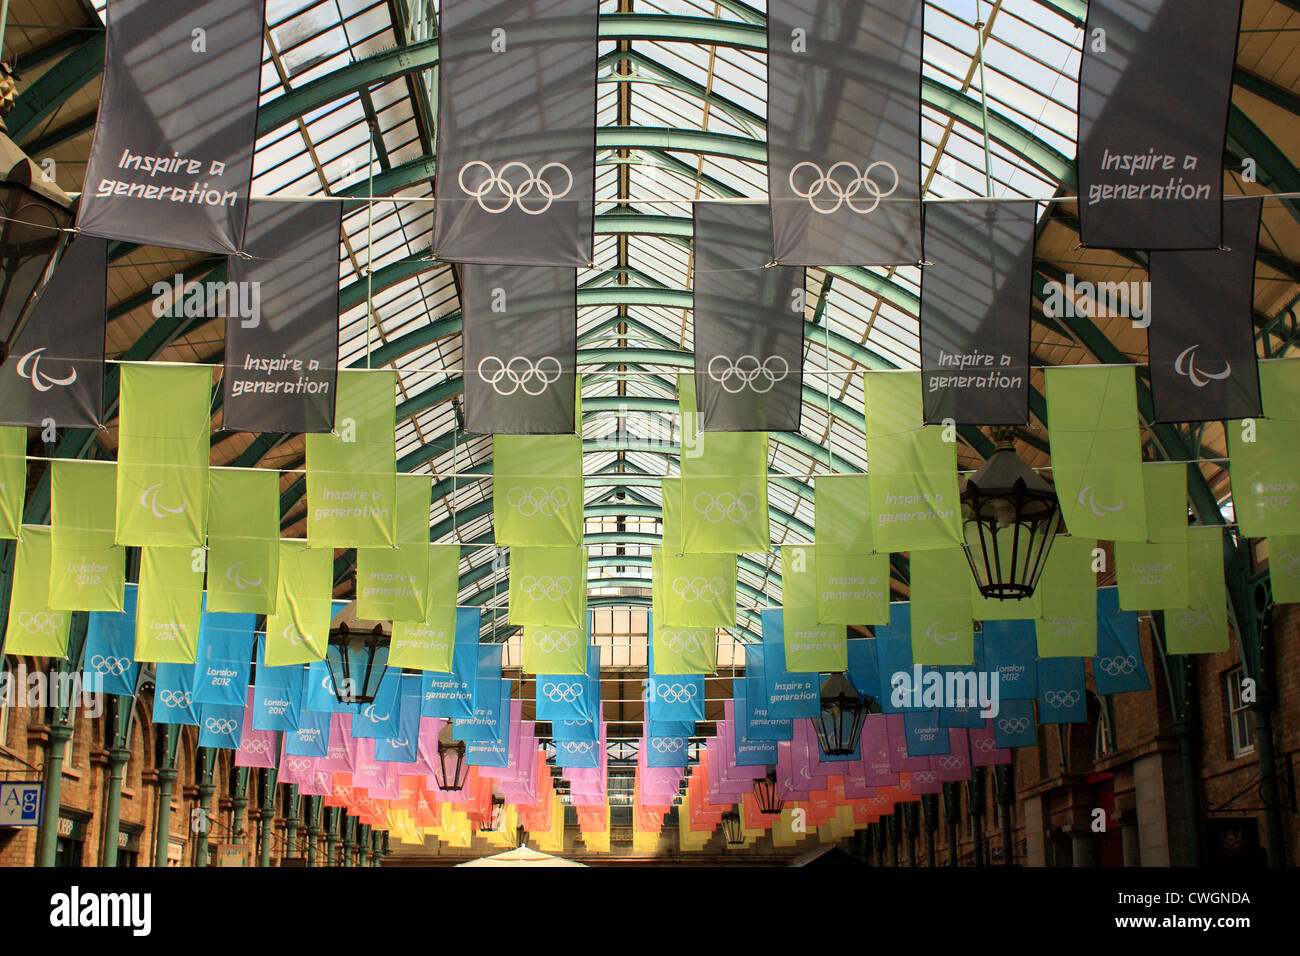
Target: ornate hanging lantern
[357, 662]
[765, 793]
[842, 715]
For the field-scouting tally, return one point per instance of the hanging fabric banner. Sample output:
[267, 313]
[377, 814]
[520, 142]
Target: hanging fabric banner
[555, 650]
[87, 570]
[277, 693]
[352, 473]
[1152, 575]
[404, 747]
[1202, 331]
[843, 131]
[256, 747]
[548, 587]
[537, 490]
[312, 737]
[516, 138]
[760, 724]
[914, 498]
[172, 156]
[243, 540]
[13, 479]
[723, 485]
[56, 372]
[169, 606]
[676, 697]
[298, 631]
[789, 695]
[221, 725]
[1265, 455]
[173, 695]
[699, 590]
[1014, 726]
[450, 694]
[893, 651]
[1061, 695]
[427, 644]
[1118, 666]
[34, 627]
[162, 455]
[110, 647]
[749, 319]
[521, 349]
[1008, 650]
[976, 301]
[943, 631]
[393, 583]
[1067, 626]
[1284, 568]
[809, 644]
[852, 580]
[282, 332]
[225, 657]
[749, 751]
[1149, 177]
[679, 650]
[1201, 628]
[1097, 450]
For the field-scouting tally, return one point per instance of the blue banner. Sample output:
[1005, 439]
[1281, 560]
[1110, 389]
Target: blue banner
[1014, 725]
[278, 694]
[893, 652]
[667, 751]
[578, 754]
[173, 695]
[673, 697]
[571, 698]
[225, 657]
[312, 738]
[491, 720]
[669, 728]
[1061, 697]
[1009, 649]
[110, 647]
[380, 718]
[749, 752]
[404, 747]
[588, 730]
[1118, 667]
[452, 695]
[925, 737]
[221, 725]
[491, 745]
[789, 694]
[760, 724]
[864, 669]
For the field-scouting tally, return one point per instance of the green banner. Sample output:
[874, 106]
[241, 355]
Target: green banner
[943, 631]
[352, 471]
[1097, 450]
[914, 499]
[162, 455]
[428, 644]
[842, 513]
[34, 627]
[548, 587]
[798, 576]
[298, 632]
[678, 650]
[698, 590]
[244, 540]
[555, 650]
[811, 647]
[1153, 575]
[88, 569]
[169, 605]
[992, 609]
[851, 588]
[537, 491]
[1265, 455]
[1067, 625]
[393, 583]
[723, 484]
[13, 479]
[1284, 568]
[1201, 628]
[671, 514]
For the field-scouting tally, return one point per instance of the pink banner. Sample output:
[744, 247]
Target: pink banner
[256, 747]
[984, 747]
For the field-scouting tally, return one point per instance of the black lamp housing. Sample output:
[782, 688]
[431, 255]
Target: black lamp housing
[843, 712]
[731, 827]
[357, 661]
[451, 771]
[766, 796]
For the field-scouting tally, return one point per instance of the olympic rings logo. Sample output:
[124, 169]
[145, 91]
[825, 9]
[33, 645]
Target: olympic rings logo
[501, 188]
[747, 372]
[694, 590]
[545, 587]
[1061, 698]
[1290, 564]
[175, 698]
[219, 726]
[950, 762]
[253, 745]
[680, 641]
[114, 666]
[538, 500]
[1013, 725]
[985, 745]
[562, 693]
[1114, 666]
[678, 693]
[577, 746]
[519, 374]
[554, 641]
[1194, 619]
[297, 764]
[40, 622]
[924, 776]
[666, 745]
[725, 507]
[842, 194]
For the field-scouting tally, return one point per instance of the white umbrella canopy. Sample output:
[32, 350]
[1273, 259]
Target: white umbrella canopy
[521, 856]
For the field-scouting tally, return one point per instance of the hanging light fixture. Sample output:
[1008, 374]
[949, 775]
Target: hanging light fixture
[765, 793]
[842, 714]
[451, 772]
[357, 661]
[494, 818]
[731, 827]
[1010, 517]
[36, 214]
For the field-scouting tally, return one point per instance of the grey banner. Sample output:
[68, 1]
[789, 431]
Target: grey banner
[844, 131]
[1202, 332]
[748, 324]
[517, 132]
[173, 151]
[56, 369]
[282, 320]
[1154, 91]
[976, 302]
[521, 349]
